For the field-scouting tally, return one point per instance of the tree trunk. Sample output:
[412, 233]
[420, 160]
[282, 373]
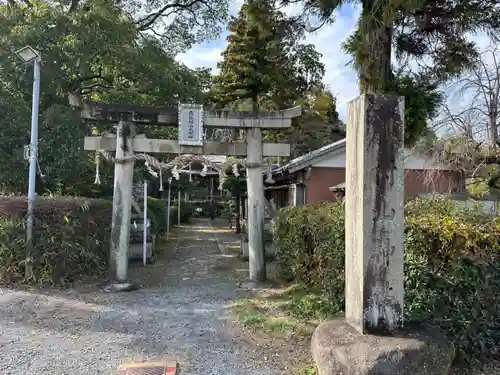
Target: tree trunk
[492, 127]
[374, 55]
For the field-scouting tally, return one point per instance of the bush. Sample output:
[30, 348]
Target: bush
[452, 266]
[158, 211]
[452, 274]
[207, 208]
[186, 211]
[70, 239]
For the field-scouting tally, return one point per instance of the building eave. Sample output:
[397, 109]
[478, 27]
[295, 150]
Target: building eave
[307, 160]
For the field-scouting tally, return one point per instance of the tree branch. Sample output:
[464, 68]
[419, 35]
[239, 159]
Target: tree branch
[146, 22]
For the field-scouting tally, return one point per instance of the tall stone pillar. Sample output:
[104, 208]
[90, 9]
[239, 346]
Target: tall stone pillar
[374, 213]
[370, 340]
[122, 203]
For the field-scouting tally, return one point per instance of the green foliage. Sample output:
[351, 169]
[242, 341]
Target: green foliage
[318, 126]
[71, 239]
[435, 33]
[158, 213]
[98, 52]
[303, 304]
[264, 66]
[186, 212]
[311, 244]
[452, 265]
[208, 207]
[255, 58]
[236, 185]
[422, 102]
[177, 25]
[422, 97]
[454, 283]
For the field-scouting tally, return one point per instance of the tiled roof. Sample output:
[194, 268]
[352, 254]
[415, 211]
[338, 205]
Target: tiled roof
[307, 160]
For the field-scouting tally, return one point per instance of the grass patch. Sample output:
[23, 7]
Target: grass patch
[307, 371]
[289, 310]
[253, 314]
[304, 304]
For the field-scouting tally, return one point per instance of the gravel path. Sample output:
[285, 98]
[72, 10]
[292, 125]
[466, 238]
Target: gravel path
[183, 317]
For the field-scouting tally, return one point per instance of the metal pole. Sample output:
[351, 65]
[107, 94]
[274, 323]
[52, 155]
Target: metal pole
[211, 188]
[168, 206]
[179, 208]
[145, 224]
[33, 151]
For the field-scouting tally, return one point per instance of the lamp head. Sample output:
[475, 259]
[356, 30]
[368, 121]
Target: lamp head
[28, 54]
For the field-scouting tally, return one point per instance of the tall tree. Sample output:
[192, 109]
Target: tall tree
[435, 31]
[255, 58]
[176, 24]
[265, 64]
[474, 144]
[95, 51]
[481, 86]
[318, 126]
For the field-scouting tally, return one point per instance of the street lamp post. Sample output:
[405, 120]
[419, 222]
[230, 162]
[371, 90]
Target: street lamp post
[30, 55]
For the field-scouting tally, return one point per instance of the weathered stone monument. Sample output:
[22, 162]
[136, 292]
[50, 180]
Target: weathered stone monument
[371, 340]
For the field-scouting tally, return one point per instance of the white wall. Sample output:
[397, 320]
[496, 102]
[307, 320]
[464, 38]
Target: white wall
[337, 160]
[333, 160]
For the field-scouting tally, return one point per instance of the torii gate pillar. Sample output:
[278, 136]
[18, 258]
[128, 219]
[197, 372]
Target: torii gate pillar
[255, 189]
[122, 203]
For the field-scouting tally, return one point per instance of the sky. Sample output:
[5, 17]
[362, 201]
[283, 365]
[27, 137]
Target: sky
[339, 78]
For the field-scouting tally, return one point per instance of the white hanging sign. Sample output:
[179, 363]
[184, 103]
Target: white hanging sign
[191, 124]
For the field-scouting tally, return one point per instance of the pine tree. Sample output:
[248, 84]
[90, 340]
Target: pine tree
[255, 59]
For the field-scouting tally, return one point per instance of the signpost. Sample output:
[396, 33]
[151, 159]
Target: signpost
[190, 125]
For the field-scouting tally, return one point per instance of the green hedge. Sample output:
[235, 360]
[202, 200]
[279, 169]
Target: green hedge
[207, 207]
[452, 266]
[157, 212]
[71, 239]
[186, 212]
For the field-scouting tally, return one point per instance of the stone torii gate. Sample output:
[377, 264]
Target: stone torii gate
[126, 142]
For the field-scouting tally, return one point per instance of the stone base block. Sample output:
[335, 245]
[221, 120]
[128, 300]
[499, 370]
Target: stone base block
[338, 349]
[135, 251]
[120, 287]
[248, 284]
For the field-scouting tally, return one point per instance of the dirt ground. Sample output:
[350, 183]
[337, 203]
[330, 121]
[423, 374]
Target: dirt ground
[181, 312]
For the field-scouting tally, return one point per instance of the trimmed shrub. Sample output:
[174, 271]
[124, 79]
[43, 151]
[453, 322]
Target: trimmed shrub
[186, 211]
[452, 274]
[207, 208]
[70, 239]
[158, 210]
[452, 266]
[157, 213]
